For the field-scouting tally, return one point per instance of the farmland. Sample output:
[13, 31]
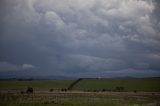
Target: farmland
[129, 84]
[87, 92]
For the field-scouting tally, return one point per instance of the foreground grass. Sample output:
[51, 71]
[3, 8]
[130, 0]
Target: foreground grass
[78, 102]
[71, 99]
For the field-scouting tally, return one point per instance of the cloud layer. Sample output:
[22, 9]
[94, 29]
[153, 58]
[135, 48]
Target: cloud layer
[81, 38]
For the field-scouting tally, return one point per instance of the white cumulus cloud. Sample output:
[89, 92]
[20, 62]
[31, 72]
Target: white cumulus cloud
[5, 66]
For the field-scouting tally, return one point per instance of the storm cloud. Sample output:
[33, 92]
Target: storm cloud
[81, 37]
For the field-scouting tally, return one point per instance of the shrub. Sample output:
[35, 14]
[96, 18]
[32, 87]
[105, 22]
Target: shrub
[29, 90]
[51, 90]
[119, 88]
[135, 91]
[103, 90]
[22, 92]
[63, 89]
[95, 90]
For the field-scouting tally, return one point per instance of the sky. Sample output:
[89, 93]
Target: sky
[80, 38]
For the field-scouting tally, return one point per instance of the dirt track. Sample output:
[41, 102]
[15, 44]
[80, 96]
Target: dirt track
[152, 95]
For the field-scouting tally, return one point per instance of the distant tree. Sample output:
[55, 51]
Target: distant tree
[20, 79]
[30, 79]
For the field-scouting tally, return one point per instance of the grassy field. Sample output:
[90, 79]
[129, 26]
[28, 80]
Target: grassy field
[129, 84]
[87, 92]
[36, 84]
